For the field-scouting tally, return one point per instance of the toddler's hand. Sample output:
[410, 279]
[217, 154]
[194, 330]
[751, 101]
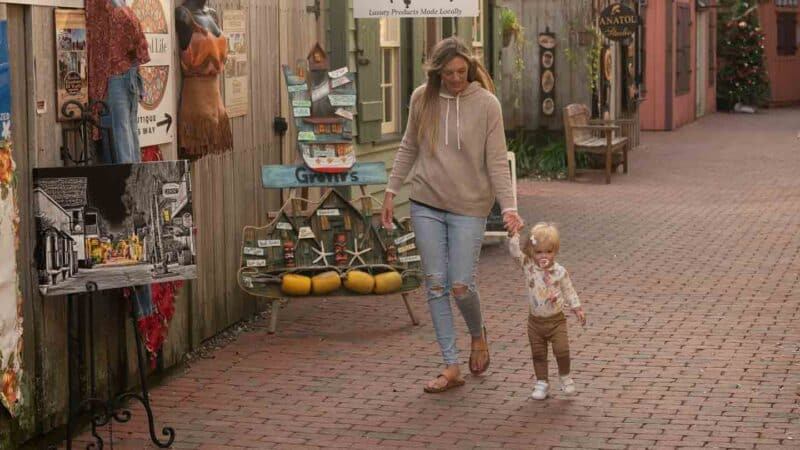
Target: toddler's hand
[580, 314]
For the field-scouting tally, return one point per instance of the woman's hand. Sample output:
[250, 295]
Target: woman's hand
[387, 213]
[512, 222]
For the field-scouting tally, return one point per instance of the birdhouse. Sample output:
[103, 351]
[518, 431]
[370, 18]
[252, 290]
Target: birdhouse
[318, 59]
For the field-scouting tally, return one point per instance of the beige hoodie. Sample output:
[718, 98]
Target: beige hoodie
[468, 169]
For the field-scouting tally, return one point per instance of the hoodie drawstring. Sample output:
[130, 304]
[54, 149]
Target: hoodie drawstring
[447, 123]
[458, 123]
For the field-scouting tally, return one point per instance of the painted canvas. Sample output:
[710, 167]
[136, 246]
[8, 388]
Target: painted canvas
[112, 226]
[11, 373]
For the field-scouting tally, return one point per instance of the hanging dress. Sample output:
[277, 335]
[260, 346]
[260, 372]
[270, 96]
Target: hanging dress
[203, 125]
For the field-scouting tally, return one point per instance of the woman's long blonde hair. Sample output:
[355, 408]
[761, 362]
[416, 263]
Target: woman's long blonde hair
[426, 112]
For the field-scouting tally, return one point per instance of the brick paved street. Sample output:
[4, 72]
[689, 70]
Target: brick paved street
[689, 271]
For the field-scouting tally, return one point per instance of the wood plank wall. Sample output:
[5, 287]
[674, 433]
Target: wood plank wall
[520, 99]
[227, 196]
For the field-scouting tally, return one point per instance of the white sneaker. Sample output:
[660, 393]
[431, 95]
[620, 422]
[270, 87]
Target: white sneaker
[567, 385]
[540, 390]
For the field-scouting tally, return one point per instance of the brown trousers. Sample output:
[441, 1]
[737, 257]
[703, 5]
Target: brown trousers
[542, 330]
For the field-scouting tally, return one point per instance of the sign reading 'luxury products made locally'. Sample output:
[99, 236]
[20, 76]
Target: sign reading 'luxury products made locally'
[618, 22]
[364, 9]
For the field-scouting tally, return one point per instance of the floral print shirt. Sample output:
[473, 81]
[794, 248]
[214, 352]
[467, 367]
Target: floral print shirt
[116, 42]
[549, 290]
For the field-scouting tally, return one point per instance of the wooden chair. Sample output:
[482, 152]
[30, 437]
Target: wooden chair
[593, 136]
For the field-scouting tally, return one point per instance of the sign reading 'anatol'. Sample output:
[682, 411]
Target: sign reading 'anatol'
[618, 22]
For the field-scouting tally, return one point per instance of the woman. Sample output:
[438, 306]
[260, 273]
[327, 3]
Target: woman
[456, 142]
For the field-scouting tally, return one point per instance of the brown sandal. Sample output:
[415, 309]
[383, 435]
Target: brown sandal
[481, 347]
[451, 383]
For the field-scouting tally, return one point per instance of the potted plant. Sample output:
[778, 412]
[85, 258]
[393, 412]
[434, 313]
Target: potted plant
[510, 26]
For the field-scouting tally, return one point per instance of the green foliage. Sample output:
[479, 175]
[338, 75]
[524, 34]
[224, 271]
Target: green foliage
[508, 20]
[742, 75]
[542, 154]
[552, 157]
[524, 153]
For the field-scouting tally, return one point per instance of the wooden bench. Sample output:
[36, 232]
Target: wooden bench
[593, 136]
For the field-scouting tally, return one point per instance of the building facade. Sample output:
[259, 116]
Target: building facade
[780, 20]
[679, 83]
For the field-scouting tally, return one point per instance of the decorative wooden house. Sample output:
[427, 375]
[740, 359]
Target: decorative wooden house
[332, 237]
[343, 229]
[267, 251]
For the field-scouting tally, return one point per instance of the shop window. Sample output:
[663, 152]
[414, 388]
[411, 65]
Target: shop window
[683, 50]
[390, 74]
[52, 247]
[787, 33]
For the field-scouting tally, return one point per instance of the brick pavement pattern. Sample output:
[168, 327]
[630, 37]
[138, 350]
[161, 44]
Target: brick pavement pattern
[689, 270]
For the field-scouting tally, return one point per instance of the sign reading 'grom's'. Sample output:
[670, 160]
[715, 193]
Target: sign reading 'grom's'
[618, 22]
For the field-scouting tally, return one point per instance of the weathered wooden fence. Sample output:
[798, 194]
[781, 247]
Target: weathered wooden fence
[569, 20]
[227, 196]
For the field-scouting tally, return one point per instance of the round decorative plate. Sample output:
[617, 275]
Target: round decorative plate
[151, 15]
[548, 81]
[548, 106]
[608, 69]
[154, 79]
[547, 40]
[547, 59]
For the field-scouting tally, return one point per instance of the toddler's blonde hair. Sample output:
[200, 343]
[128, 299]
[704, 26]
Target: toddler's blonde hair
[546, 236]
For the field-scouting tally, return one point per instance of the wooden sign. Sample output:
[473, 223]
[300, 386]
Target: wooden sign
[618, 22]
[291, 176]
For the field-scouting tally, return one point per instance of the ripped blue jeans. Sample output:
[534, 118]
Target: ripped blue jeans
[449, 245]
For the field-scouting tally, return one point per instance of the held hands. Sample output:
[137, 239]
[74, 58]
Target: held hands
[512, 222]
[580, 314]
[387, 213]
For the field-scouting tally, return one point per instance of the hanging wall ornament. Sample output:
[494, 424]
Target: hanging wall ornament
[547, 61]
[323, 101]
[608, 64]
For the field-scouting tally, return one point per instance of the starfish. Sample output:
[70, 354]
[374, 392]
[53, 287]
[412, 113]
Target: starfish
[321, 253]
[357, 253]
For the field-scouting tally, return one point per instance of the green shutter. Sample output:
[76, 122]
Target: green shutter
[464, 29]
[448, 26]
[418, 52]
[370, 100]
[335, 34]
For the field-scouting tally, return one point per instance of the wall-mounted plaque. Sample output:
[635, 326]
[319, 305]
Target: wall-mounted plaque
[618, 22]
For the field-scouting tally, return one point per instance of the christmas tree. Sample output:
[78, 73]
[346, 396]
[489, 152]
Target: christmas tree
[742, 75]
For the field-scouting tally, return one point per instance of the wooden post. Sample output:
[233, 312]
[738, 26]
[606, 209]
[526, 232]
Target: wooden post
[410, 311]
[273, 317]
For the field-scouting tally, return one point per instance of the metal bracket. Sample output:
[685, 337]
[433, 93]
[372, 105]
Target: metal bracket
[314, 9]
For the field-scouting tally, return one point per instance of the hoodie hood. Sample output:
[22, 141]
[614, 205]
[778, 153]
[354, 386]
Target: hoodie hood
[471, 88]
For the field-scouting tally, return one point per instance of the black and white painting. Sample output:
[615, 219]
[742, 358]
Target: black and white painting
[111, 226]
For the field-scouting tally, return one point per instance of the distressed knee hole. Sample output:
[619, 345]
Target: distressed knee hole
[435, 284]
[460, 290]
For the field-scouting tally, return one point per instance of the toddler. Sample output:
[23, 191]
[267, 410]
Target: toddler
[549, 291]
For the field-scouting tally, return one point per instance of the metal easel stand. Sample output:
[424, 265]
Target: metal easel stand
[104, 411]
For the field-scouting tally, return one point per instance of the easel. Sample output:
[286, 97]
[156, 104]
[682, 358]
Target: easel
[102, 411]
[286, 177]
